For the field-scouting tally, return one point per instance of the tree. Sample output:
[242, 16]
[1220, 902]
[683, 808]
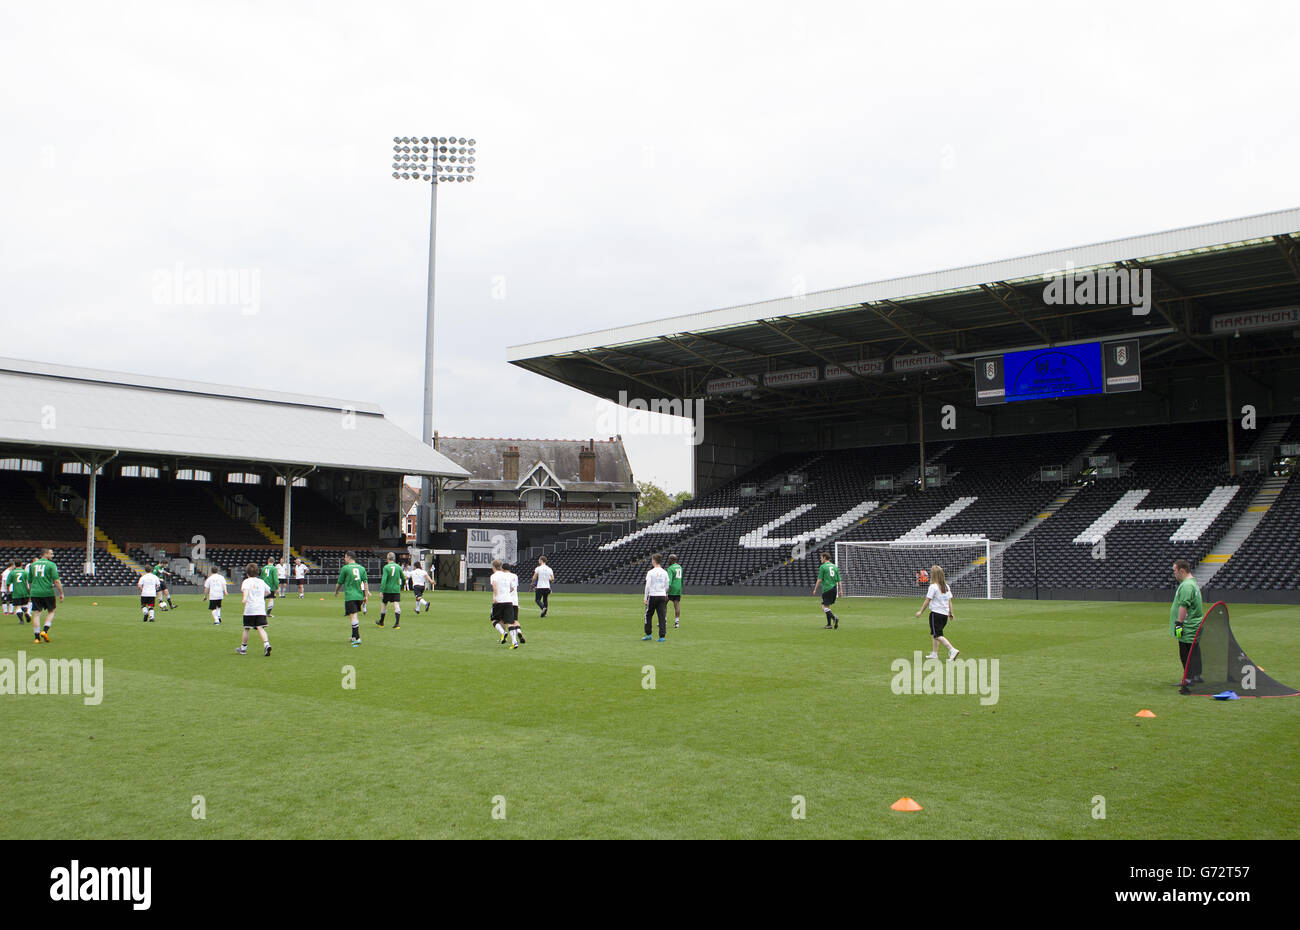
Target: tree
[655, 501]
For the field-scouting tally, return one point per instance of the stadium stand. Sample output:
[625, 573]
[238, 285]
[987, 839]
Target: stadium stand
[1176, 466]
[71, 560]
[26, 513]
[994, 484]
[1269, 559]
[315, 519]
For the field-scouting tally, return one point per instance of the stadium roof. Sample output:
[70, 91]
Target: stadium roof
[80, 410]
[1233, 266]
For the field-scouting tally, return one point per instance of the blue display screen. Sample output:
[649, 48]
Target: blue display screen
[1064, 371]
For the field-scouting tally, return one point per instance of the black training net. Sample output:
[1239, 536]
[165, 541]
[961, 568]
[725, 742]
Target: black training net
[1225, 665]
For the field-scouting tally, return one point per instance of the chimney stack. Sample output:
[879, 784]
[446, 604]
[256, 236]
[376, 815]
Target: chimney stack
[587, 462]
[510, 464]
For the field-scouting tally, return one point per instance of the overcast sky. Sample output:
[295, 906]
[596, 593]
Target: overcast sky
[635, 162]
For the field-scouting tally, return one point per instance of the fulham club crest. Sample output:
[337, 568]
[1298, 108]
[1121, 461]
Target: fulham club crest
[1121, 355]
[990, 369]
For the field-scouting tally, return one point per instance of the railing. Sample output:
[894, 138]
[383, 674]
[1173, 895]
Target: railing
[526, 515]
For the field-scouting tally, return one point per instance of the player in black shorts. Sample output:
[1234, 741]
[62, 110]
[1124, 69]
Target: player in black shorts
[828, 579]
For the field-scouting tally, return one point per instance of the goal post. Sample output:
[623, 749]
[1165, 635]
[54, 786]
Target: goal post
[973, 568]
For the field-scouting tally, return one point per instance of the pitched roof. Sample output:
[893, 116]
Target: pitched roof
[484, 459]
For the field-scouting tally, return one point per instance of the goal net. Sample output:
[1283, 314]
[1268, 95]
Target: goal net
[901, 569]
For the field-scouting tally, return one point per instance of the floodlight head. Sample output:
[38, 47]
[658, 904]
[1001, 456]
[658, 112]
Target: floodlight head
[445, 158]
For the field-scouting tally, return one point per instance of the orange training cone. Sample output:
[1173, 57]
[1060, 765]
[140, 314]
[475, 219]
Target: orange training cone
[905, 804]
[1144, 713]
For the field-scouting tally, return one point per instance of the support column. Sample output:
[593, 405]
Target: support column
[920, 427]
[1232, 433]
[89, 567]
[94, 464]
[288, 518]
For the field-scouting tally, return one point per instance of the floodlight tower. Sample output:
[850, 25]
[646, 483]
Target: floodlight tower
[432, 160]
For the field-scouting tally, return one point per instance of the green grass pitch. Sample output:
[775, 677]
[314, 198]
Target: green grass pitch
[753, 705]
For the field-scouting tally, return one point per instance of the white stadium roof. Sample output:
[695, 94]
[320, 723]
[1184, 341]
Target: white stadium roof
[1188, 240]
[61, 407]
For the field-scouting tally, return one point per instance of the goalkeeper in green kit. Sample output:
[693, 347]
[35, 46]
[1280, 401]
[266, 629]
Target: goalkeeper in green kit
[1185, 616]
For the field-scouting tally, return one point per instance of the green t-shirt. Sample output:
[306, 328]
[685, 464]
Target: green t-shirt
[158, 570]
[675, 579]
[829, 575]
[1188, 595]
[351, 577]
[390, 580]
[271, 577]
[41, 575]
[18, 578]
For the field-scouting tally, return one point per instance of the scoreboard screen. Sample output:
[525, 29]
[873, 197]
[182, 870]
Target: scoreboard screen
[1039, 374]
[1059, 371]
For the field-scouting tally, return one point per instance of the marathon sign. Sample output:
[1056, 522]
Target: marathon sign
[1278, 318]
[791, 376]
[730, 385]
[870, 366]
[906, 363]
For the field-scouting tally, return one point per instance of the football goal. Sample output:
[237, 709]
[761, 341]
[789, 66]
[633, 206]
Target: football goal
[901, 569]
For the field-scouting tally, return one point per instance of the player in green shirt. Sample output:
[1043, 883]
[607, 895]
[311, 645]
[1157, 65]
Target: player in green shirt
[828, 580]
[675, 589]
[20, 595]
[43, 580]
[353, 582]
[1186, 614]
[390, 591]
[271, 576]
[166, 596]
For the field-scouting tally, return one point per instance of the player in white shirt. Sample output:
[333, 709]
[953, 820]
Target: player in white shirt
[255, 591]
[656, 597]
[406, 576]
[542, 578]
[300, 576]
[149, 585]
[939, 599]
[4, 586]
[282, 573]
[419, 581]
[215, 587]
[505, 604]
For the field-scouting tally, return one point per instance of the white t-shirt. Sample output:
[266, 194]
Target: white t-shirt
[282, 571]
[514, 588]
[149, 584]
[419, 578]
[255, 594]
[216, 587]
[544, 576]
[500, 582]
[300, 571]
[656, 583]
[940, 601]
[4, 580]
